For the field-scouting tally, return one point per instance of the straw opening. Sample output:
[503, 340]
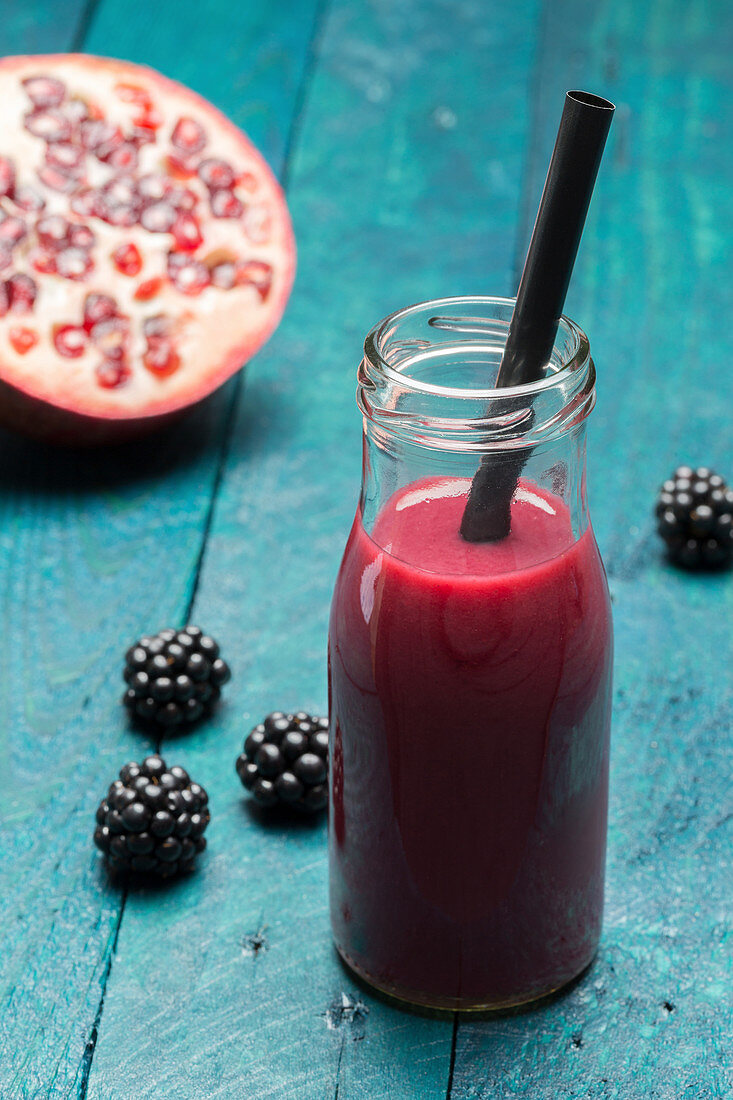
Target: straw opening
[590, 100]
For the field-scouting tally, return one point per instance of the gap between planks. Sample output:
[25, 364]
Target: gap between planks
[294, 130]
[91, 1045]
[82, 27]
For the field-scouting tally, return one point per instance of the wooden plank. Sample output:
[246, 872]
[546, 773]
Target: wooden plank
[248, 62]
[653, 1016]
[43, 1010]
[95, 550]
[403, 186]
[44, 26]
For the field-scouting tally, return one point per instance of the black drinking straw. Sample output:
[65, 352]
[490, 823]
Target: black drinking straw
[549, 264]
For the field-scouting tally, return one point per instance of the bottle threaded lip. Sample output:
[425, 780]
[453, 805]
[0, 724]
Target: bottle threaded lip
[423, 370]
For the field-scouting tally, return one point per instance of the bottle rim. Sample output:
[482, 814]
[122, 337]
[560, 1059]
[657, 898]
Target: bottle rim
[480, 418]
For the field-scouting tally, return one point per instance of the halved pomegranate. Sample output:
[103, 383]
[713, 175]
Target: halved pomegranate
[144, 243]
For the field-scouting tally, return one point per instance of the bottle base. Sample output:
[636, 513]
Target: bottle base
[410, 1000]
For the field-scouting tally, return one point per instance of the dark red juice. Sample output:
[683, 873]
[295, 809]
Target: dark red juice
[470, 709]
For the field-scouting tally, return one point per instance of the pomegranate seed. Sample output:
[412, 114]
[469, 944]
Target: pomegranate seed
[258, 223]
[44, 262]
[81, 236]
[159, 217]
[156, 327]
[190, 277]
[53, 231]
[160, 357]
[76, 110]
[74, 263]
[118, 213]
[22, 291]
[106, 149]
[181, 168]
[148, 289]
[6, 257]
[23, 339]
[139, 135]
[87, 202]
[51, 125]
[68, 158]
[176, 260]
[56, 180]
[123, 156]
[28, 199]
[70, 341]
[7, 176]
[225, 204]
[127, 259]
[216, 174]
[111, 335]
[133, 93]
[12, 229]
[186, 232]
[44, 91]
[112, 373]
[183, 198]
[223, 276]
[122, 189]
[154, 186]
[98, 307]
[247, 181]
[4, 299]
[149, 119]
[96, 133]
[188, 136]
[255, 273]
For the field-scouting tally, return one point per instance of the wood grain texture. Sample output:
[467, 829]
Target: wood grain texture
[401, 187]
[653, 1017]
[95, 549]
[73, 588]
[45, 26]
[420, 146]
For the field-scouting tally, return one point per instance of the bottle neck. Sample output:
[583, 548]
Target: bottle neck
[431, 416]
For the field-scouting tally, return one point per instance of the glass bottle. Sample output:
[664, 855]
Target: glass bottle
[470, 683]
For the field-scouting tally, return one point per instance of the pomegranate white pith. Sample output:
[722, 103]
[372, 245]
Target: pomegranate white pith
[161, 259]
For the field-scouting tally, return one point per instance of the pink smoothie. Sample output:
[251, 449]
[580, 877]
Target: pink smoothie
[470, 706]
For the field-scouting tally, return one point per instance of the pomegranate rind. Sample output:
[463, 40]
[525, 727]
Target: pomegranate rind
[70, 408]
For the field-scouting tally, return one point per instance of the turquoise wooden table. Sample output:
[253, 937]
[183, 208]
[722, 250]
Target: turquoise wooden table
[412, 138]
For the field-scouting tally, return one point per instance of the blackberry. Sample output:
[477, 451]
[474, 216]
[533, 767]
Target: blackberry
[173, 677]
[152, 820]
[695, 518]
[285, 760]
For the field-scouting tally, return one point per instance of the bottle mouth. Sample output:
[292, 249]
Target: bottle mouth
[425, 370]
